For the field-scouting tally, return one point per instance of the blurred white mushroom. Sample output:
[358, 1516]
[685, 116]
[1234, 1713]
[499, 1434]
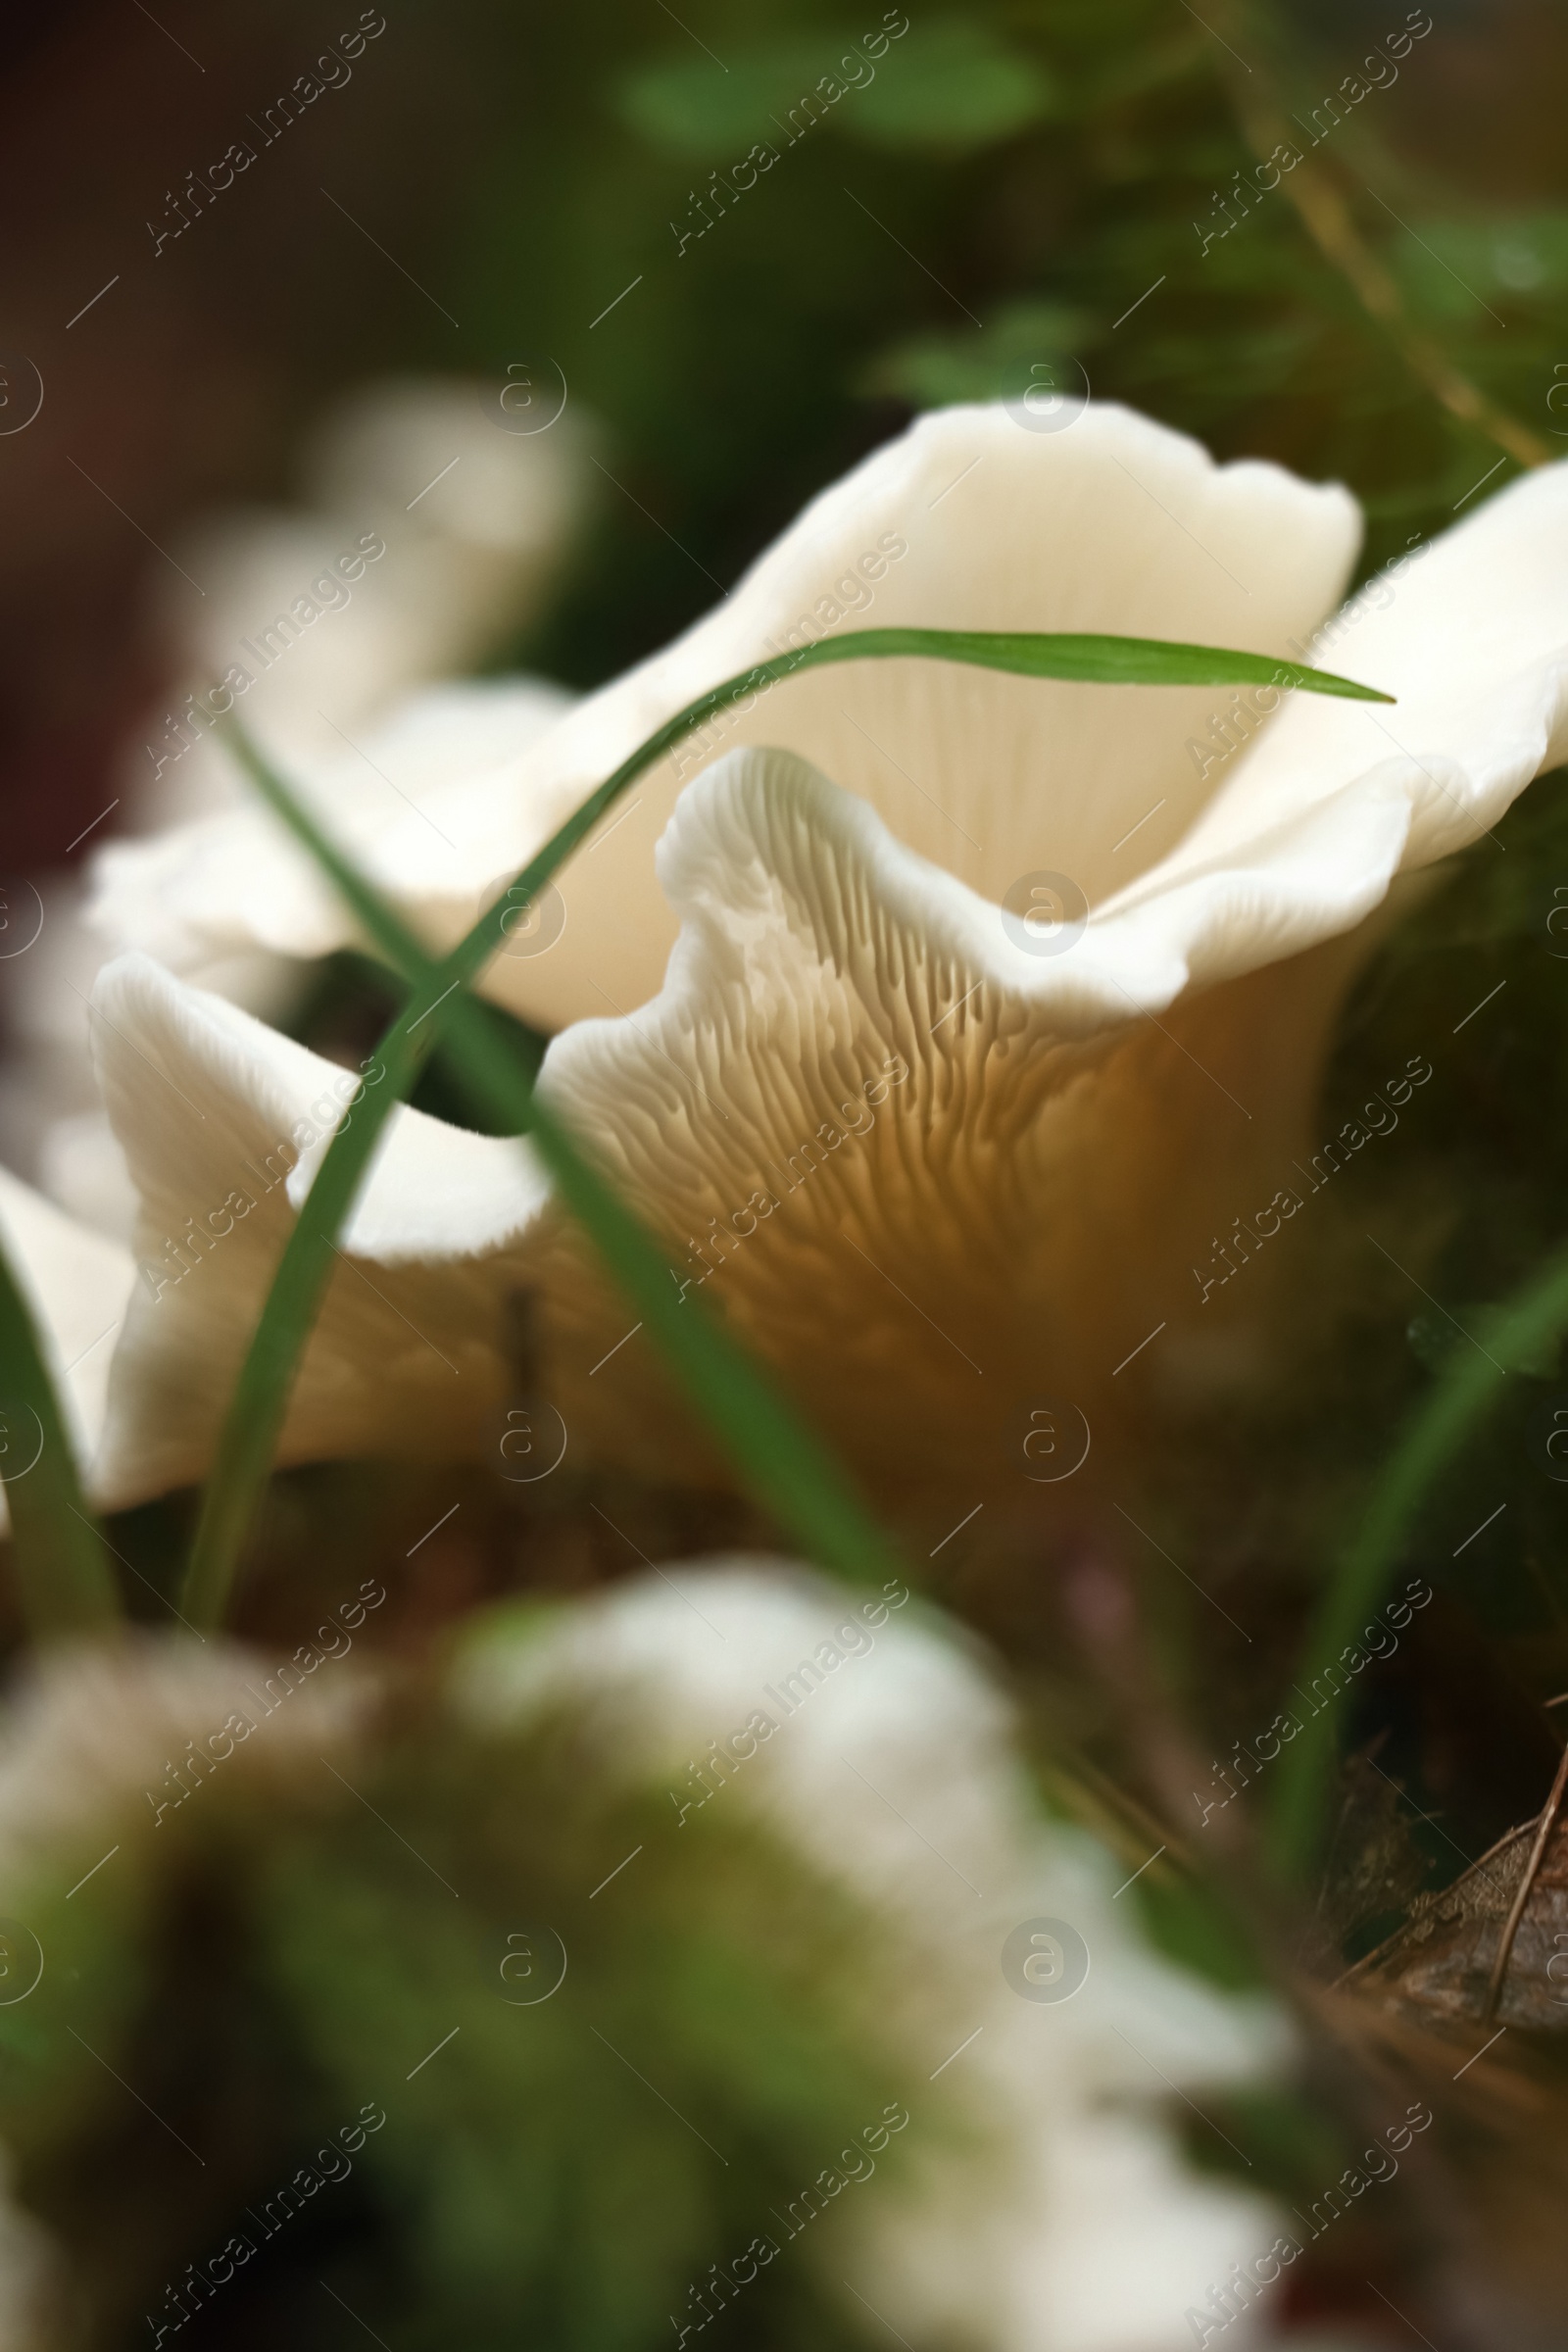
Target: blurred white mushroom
[429, 535]
[78, 1286]
[1073, 2226]
[430, 532]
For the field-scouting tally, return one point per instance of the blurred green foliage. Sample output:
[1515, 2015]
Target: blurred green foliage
[1032, 183]
[961, 88]
[304, 1941]
[1472, 1200]
[584, 2159]
[997, 196]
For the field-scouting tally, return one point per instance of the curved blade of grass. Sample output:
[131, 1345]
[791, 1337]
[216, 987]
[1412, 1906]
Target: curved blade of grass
[257, 1409]
[250, 1432]
[1100, 660]
[61, 1567]
[1466, 1391]
[783, 1463]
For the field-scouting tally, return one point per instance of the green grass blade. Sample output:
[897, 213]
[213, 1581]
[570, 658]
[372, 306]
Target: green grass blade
[1100, 660]
[1537, 1314]
[254, 1421]
[61, 1566]
[1104, 660]
[789, 1471]
[785, 1465]
[259, 1401]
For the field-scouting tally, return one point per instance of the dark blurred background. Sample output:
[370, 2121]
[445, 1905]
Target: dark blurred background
[1024, 185]
[1015, 176]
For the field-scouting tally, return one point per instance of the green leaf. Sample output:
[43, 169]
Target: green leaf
[61, 1564]
[1455, 271]
[1469, 1386]
[951, 86]
[936, 370]
[256, 1412]
[1102, 661]
[1191, 1923]
[948, 84]
[689, 108]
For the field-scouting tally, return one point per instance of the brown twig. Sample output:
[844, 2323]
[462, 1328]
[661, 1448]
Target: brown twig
[1510, 1926]
[1343, 2070]
[1327, 216]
